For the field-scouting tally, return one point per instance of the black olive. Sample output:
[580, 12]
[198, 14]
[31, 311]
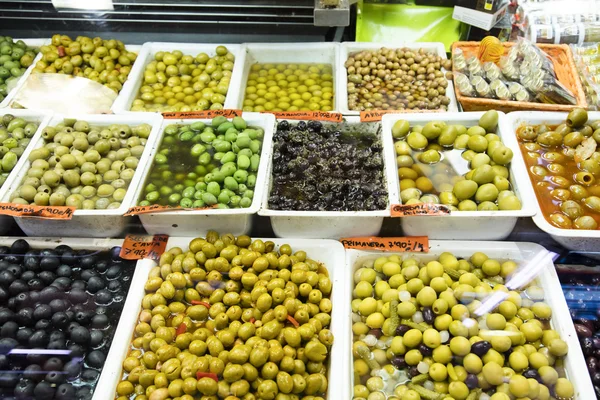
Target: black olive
[532, 373]
[24, 389]
[6, 315]
[42, 324]
[428, 315]
[3, 295]
[4, 361]
[55, 377]
[84, 393]
[34, 296]
[43, 311]
[472, 382]
[33, 372]
[95, 359]
[9, 329]
[19, 247]
[24, 334]
[87, 274]
[31, 262]
[7, 344]
[59, 305]
[104, 297]
[6, 278]
[587, 346]
[78, 284]
[68, 257]
[114, 286]
[60, 320]
[77, 296]
[72, 325]
[64, 270]
[25, 316]
[95, 284]
[87, 262]
[481, 348]
[66, 391]
[596, 378]
[49, 293]
[89, 375]
[115, 253]
[96, 338]
[399, 362]
[9, 380]
[426, 351]
[57, 335]
[13, 259]
[4, 250]
[15, 269]
[63, 283]
[39, 339]
[76, 350]
[61, 249]
[43, 391]
[57, 344]
[12, 303]
[83, 317]
[101, 266]
[113, 272]
[23, 300]
[402, 329]
[80, 335]
[35, 284]
[100, 321]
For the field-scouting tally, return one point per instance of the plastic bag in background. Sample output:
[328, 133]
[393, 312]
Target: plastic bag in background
[587, 60]
[65, 94]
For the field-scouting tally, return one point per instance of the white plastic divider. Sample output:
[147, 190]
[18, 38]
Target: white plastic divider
[469, 225]
[87, 223]
[237, 221]
[286, 53]
[346, 48]
[335, 224]
[42, 119]
[112, 357]
[330, 253]
[31, 43]
[146, 55]
[534, 262]
[573, 239]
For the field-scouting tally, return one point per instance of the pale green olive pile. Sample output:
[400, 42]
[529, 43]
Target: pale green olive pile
[177, 82]
[427, 170]
[15, 135]
[231, 318]
[83, 166]
[104, 61]
[451, 329]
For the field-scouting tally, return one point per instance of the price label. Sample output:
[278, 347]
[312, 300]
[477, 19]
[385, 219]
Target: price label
[157, 208]
[208, 114]
[375, 116]
[409, 210]
[312, 115]
[138, 247]
[44, 212]
[417, 244]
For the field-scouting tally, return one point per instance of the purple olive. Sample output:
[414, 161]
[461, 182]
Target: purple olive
[583, 331]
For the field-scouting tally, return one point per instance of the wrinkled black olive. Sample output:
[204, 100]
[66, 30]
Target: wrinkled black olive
[402, 329]
[426, 351]
[399, 362]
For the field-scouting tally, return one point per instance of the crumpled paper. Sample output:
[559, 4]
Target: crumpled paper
[65, 94]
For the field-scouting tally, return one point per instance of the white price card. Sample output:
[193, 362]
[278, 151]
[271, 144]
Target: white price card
[84, 4]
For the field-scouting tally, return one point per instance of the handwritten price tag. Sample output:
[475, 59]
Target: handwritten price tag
[312, 115]
[375, 116]
[45, 212]
[137, 247]
[157, 208]
[202, 114]
[405, 210]
[418, 244]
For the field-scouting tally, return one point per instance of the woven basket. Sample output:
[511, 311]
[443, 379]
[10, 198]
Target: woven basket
[566, 72]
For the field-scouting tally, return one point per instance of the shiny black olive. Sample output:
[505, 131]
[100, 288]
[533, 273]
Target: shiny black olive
[587, 346]
[9, 329]
[6, 278]
[103, 297]
[481, 348]
[399, 362]
[44, 391]
[87, 262]
[49, 263]
[33, 372]
[89, 375]
[59, 305]
[80, 335]
[66, 391]
[77, 296]
[24, 334]
[19, 247]
[402, 329]
[39, 339]
[42, 324]
[100, 321]
[62, 248]
[114, 286]
[43, 311]
[101, 266]
[95, 359]
[95, 284]
[113, 272]
[426, 351]
[62, 283]
[87, 274]
[64, 270]
[96, 338]
[115, 253]
[428, 315]
[472, 382]
[7, 344]
[25, 316]
[68, 257]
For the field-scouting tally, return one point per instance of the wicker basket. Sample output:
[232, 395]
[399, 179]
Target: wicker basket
[566, 72]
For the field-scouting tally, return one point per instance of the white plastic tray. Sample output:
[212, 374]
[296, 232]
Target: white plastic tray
[146, 54]
[32, 43]
[573, 239]
[88, 223]
[112, 357]
[350, 47]
[252, 53]
[238, 221]
[334, 224]
[469, 225]
[328, 252]
[42, 119]
[541, 266]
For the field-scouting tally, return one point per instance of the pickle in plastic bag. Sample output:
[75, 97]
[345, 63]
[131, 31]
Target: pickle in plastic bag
[464, 86]
[509, 69]
[492, 71]
[458, 61]
[475, 66]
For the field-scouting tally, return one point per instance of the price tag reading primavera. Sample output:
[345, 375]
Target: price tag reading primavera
[138, 247]
[311, 115]
[44, 212]
[415, 244]
[208, 114]
[409, 210]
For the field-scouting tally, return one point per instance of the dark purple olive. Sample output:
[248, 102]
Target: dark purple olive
[115, 253]
[426, 351]
[481, 348]
[34, 372]
[596, 342]
[413, 371]
[596, 378]
[583, 331]
[402, 329]
[587, 346]
[532, 373]
[399, 363]
[428, 315]
[376, 332]
[472, 382]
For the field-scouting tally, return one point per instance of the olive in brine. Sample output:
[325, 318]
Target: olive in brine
[577, 117]
[560, 220]
[550, 139]
[572, 209]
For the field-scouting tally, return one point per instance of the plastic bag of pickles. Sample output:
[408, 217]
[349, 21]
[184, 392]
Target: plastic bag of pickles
[525, 73]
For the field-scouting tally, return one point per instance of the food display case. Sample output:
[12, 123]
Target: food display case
[254, 205]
